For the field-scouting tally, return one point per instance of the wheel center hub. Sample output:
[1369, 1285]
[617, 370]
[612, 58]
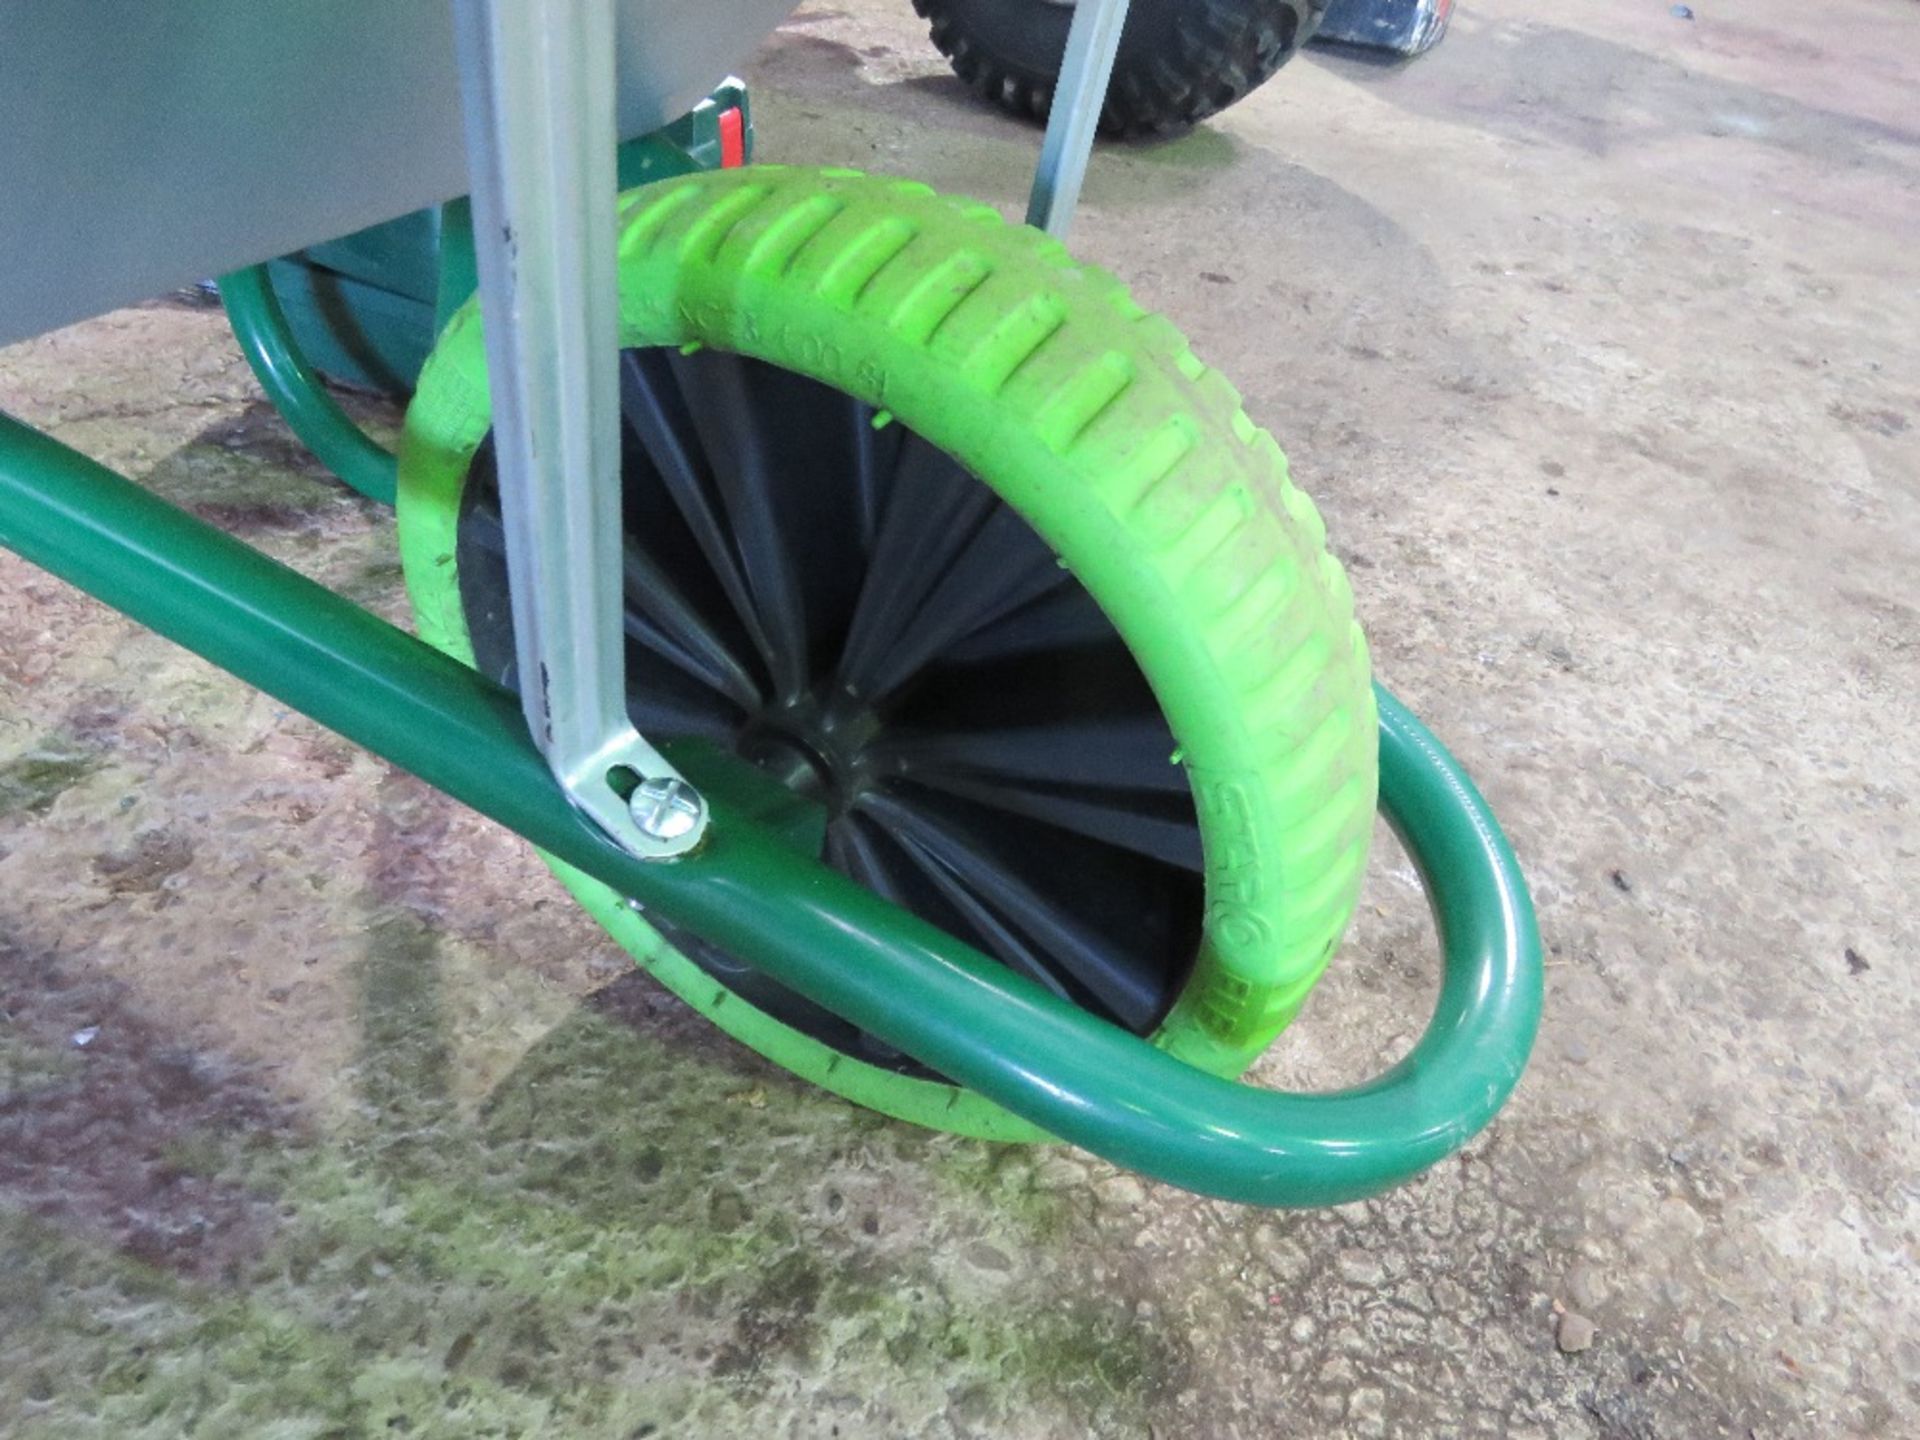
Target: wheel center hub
[813, 749]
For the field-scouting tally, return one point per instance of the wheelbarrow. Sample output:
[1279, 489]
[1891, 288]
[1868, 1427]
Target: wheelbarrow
[888, 630]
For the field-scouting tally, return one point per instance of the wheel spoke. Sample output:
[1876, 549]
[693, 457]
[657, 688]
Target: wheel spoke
[658, 614]
[730, 401]
[876, 458]
[1001, 940]
[663, 699]
[852, 851]
[1069, 736]
[1111, 779]
[856, 849]
[987, 869]
[1059, 620]
[1004, 567]
[1121, 753]
[1158, 827]
[656, 413]
[933, 512]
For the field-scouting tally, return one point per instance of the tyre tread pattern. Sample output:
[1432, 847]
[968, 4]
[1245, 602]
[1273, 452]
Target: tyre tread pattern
[1167, 445]
[1219, 52]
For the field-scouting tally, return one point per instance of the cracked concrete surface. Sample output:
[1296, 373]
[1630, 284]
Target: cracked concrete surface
[1594, 334]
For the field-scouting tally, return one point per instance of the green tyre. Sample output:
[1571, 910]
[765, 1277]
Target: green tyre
[1132, 462]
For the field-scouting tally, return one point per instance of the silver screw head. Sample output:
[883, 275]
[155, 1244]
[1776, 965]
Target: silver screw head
[665, 808]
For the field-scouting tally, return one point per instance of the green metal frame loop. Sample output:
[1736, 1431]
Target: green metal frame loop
[816, 931]
[296, 389]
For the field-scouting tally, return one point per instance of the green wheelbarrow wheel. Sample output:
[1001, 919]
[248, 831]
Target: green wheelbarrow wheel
[940, 528]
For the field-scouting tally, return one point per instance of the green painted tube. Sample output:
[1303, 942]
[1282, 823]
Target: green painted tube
[814, 930]
[296, 390]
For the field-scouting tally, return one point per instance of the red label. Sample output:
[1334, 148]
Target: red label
[733, 138]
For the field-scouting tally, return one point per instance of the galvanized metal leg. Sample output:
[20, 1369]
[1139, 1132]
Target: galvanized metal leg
[538, 85]
[1078, 95]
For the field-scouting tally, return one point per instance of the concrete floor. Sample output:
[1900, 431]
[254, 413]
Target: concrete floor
[1596, 336]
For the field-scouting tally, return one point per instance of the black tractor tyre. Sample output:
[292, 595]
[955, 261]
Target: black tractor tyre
[1179, 62]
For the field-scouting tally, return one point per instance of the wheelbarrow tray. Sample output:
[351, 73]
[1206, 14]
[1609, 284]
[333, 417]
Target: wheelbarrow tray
[152, 143]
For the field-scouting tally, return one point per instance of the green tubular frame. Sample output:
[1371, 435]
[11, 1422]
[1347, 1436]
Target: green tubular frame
[816, 931]
[297, 392]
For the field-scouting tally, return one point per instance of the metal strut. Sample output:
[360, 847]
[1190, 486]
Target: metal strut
[538, 89]
[1079, 94]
